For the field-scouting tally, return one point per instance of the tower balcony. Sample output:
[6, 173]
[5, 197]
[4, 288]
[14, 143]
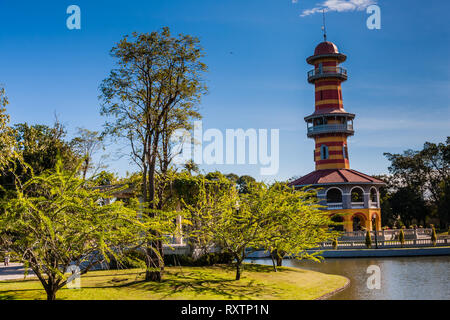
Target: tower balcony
[327, 72]
[330, 128]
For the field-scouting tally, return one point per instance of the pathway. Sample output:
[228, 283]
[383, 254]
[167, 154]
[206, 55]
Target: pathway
[13, 271]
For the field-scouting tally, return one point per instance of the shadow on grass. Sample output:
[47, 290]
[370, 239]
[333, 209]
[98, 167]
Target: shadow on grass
[216, 282]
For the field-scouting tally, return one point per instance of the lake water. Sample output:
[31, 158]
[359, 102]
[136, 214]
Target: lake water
[407, 278]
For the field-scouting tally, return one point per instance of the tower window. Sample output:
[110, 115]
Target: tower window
[323, 152]
[344, 152]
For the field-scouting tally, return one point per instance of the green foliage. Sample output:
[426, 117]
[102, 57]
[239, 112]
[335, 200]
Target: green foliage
[58, 219]
[433, 236]
[335, 243]
[154, 90]
[277, 218]
[368, 239]
[132, 258]
[7, 142]
[401, 237]
[38, 148]
[85, 146]
[421, 183]
[295, 222]
[105, 178]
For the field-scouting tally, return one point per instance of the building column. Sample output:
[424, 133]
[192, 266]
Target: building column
[348, 223]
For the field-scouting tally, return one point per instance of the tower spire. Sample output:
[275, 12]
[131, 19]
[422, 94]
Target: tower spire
[324, 29]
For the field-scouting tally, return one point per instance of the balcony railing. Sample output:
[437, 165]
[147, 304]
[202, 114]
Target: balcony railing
[327, 72]
[357, 205]
[373, 204]
[334, 205]
[325, 128]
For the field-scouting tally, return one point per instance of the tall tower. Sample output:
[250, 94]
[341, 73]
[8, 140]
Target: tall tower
[349, 196]
[330, 124]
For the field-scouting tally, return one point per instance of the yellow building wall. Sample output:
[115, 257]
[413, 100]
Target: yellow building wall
[366, 214]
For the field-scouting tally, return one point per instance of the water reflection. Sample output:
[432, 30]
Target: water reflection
[406, 278]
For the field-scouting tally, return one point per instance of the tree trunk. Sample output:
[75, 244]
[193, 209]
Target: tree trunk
[154, 260]
[238, 270]
[272, 257]
[51, 292]
[154, 263]
[279, 261]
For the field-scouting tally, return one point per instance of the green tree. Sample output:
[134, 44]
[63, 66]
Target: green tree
[425, 175]
[105, 178]
[237, 226]
[191, 167]
[7, 142]
[58, 220]
[199, 199]
[244, 183]
[154, 91]
[433, 236]
[335, 243]
[86, 145]
[295, 222]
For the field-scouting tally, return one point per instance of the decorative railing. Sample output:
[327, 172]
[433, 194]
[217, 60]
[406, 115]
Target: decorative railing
[373, 204]
[387, 244]
[389, 235]
[328, 71]
[357, 205]
[334, 205]
[323, 128]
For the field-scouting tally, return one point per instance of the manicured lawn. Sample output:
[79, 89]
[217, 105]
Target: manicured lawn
[217, 282]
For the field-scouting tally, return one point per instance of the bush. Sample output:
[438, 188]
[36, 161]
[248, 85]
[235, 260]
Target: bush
[401, 238]
[368, 240]
[433, 236]
[335, 243]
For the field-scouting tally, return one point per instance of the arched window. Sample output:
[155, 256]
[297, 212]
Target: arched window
[339, 223]
[334, 195]
[323, 152]
[373, 195]
[357, 195]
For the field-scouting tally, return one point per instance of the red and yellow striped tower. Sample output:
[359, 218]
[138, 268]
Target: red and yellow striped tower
[330, 124]
[350, 196]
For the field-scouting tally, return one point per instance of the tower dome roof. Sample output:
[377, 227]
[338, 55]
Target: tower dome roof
[326, 47]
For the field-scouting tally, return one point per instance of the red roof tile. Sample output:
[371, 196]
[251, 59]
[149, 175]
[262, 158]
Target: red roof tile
[334, 176]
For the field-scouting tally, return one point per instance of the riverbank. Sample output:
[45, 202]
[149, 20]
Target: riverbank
[189, 283]
[365, 253]
[378, 253]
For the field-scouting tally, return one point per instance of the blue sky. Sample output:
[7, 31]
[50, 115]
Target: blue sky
[398, 76]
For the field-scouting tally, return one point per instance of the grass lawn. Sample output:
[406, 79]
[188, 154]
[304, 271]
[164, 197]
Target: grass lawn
[217, 282]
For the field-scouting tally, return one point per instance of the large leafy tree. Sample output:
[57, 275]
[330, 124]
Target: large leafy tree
[58, 220]
[296, 223]
[277, 218]
[154, 91]
[422, 177]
